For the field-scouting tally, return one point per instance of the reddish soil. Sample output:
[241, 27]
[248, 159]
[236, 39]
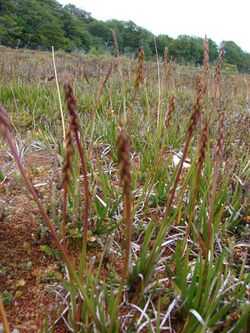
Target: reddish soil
[24, 267]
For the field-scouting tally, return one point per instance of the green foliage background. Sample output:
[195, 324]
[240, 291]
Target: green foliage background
[39, 24]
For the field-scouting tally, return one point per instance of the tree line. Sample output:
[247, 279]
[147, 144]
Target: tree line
[39, 24]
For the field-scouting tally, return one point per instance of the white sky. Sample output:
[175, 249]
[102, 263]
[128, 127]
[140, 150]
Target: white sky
[219, 19]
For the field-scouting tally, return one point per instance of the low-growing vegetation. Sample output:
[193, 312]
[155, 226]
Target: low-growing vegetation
[129, 192]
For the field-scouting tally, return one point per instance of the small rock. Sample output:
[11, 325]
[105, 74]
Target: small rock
[2, 215]
[14, 331]
[2, 188]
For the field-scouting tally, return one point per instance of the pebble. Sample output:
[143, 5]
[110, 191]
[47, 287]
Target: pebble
[2, 188]
[14, 331]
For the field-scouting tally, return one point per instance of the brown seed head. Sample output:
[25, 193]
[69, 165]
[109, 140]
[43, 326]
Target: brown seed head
[71, 106]
[203, 146]
[219, 65]
[198, 86]
[67, 163]
[117, 53]
[109, 71]
[139, 71]
[170, 111]
[194, 116]
[124, 161]
[206, 56]
[220, 139]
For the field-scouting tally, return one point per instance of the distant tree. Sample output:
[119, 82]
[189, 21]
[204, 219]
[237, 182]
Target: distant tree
[82, 14]
[162, 41]
[8, 26]
[7, 6]
[235, 55]
[187, 49]
[39, 24]
[77, 35]
[9, 31]
[131, 35]
[213, 50]
[246, 67]
[117, 26]
[179, 49]
[99, 29]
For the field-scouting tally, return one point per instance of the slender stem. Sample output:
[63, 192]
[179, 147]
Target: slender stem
[172, 192]
[124, 161]
[4, 317]
[159, 85]
[128, 221]
[64, 213]
[86, 210]
[85, 223]
[191, 216]
[212, 199]
[218, 159]
[127, 216]
[58, 93]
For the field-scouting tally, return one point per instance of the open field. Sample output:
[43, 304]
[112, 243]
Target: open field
[153, 165]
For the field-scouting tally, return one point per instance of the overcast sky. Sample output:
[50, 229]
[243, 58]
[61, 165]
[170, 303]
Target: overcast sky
[219, 19]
